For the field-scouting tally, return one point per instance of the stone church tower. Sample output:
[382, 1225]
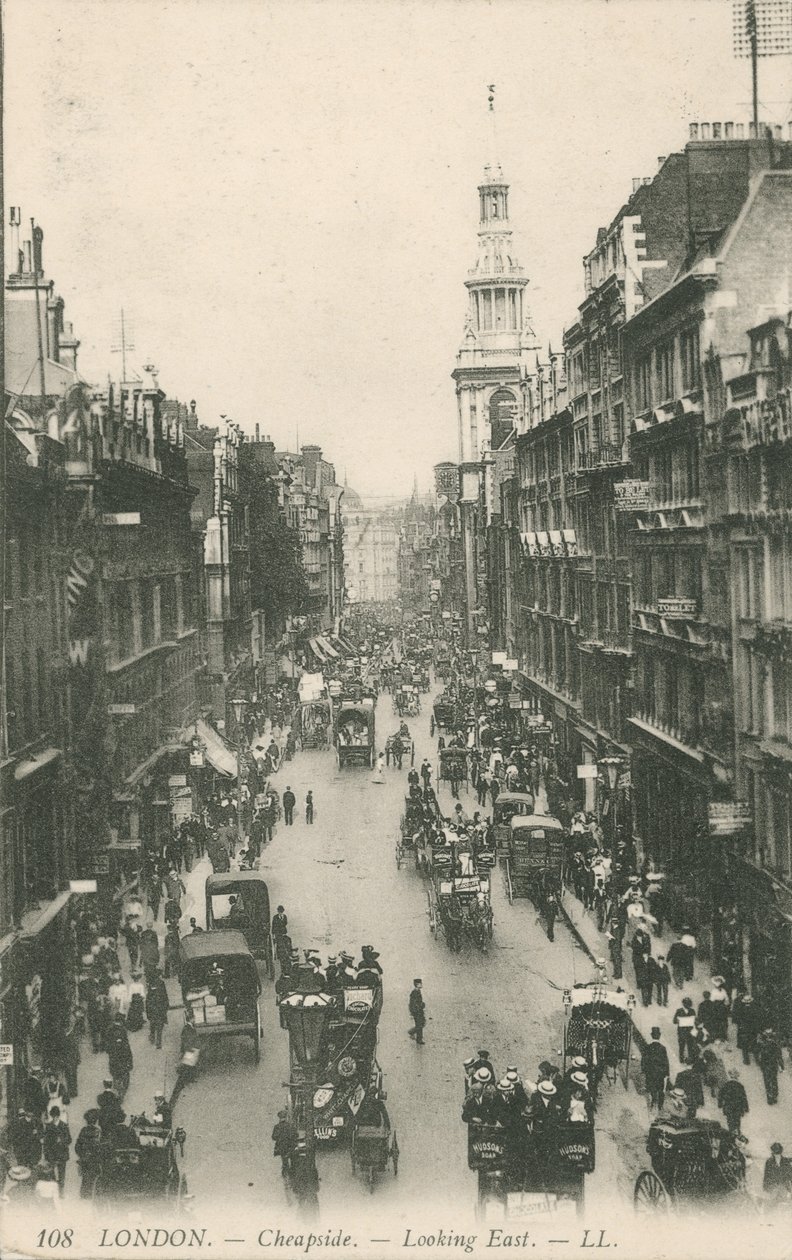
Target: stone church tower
[498, 350]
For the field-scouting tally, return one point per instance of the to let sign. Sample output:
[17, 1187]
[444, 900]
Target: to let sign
[631, 495]
[6, 1055]
[677, 606]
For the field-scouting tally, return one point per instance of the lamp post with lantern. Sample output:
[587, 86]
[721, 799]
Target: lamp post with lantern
[239, 704]
[304, 1016]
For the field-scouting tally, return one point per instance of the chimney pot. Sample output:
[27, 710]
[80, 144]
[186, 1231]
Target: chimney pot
[728, 130]
[716, 131]
[646, 179]
[661, 159]
[257, 433]
[778, 132]
[705, 131]
[739, 131]
[751, 131]
[694, 130]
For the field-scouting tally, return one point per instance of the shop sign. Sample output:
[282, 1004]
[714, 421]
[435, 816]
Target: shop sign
[101, 864]
[511, 666]
[728, 818]
[631, 495]
[543, 728]
[82, 886]
[6, 1055]
[515, 704]
[177, 781]
[624, 781]
[121, 518]
[121, 710]
[677, 606]
[588, 771]
[196, 757]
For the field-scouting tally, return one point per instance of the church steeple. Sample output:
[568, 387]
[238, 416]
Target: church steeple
[497, 313]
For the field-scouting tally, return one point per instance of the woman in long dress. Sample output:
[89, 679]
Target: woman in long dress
[378, 775]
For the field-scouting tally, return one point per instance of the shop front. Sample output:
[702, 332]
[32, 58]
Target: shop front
[671, 796]
[764, 908]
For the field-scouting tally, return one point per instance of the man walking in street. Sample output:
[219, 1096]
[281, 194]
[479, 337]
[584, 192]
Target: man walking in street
[733, 1101]
[656, 1069]
[309, 808]
[660, 977]
[289, 802]
[88, 1149]
[771, 1062]
[417, 1008]
[157, 1008]
[119, 1055]
[685, 1020]
[777, 1180]
[56, 1140]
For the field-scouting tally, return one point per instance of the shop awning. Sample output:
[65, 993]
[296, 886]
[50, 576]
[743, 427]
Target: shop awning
[218, 752]
[37, 762]
[317, 651]
[36, 920]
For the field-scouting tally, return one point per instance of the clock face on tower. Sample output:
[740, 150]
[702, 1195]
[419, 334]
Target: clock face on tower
[502, 416]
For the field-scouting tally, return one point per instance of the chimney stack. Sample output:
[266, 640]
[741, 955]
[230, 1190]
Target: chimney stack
[728, 130]
[705, 131]
[716, 131]
[739, 131]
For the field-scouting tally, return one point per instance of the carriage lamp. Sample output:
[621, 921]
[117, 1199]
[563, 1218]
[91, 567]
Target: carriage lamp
[238, 705]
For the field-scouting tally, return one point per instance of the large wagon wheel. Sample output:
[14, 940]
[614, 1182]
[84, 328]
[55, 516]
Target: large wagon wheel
[432, 914]
[650, 1195]
[732, 1168]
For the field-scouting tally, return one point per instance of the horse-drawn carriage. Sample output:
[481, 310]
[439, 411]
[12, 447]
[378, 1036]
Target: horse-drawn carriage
[398, 746]
[536, 857]
[412, 829]
[531, 1170]
[693, 1162]
[453, 767]
[510, 805]
[143, 1169]
[458, 901]
[374, 1144]
[598, 1026]
[445, 713]
[407, 700]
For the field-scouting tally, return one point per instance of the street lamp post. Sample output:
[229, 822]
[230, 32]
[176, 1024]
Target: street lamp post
[304, 1015]
[238, 704]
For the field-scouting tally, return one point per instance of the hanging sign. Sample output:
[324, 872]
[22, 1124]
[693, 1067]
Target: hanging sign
[727, 818]
[587, 771]
[121, 518]
[6, 1055]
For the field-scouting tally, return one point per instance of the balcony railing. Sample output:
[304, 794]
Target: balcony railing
[603, 456]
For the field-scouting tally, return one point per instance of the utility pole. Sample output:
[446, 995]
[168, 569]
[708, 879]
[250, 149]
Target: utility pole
[769, 37]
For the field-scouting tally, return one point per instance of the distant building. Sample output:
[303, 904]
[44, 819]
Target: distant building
[370, 551]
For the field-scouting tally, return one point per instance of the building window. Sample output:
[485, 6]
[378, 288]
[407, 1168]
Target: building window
[665, 370]
[689, 353]
[643, 382]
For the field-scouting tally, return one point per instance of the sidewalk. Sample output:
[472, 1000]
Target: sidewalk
[763, 1124]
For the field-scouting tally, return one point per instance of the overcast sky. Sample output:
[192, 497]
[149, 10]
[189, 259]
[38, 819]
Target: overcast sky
[282, 195]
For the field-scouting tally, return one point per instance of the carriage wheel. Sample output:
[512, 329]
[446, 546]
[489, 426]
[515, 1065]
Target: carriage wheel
[394, 1154]
[431, 913]
[650, 1195]
[270, 959]
[732, 1169]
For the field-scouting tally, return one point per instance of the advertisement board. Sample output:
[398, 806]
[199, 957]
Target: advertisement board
[631, 495]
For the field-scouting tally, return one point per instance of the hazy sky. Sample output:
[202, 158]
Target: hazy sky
[282, 195]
